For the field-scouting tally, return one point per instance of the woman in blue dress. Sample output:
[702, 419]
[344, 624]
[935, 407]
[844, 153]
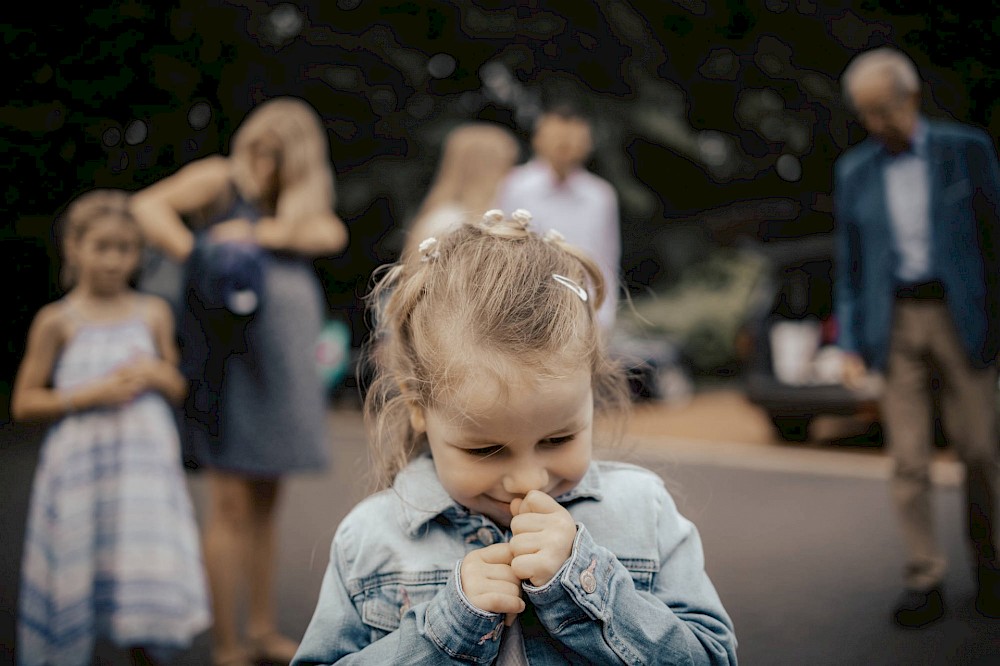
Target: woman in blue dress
[246, 227]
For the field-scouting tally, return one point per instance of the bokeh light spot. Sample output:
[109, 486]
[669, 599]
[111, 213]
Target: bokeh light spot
[199, 115]
[713, 148]
[136, 132]
[441, 65]
[111, 137]
[788, 167]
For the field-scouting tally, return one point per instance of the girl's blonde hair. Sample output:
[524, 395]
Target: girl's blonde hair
[474, 161]
[483, 298]
[305, 176]
[79, 215]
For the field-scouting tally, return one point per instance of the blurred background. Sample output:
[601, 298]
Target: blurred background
[717, 121]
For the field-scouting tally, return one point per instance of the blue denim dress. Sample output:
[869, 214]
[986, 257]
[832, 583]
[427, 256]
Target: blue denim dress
[633, 591]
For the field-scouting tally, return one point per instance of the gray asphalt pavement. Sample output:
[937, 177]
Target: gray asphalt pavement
[805, 560]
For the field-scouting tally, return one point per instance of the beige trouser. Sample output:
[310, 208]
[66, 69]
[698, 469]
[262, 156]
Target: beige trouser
[924, 338]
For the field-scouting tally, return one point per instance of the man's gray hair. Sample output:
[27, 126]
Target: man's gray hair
[885, 60]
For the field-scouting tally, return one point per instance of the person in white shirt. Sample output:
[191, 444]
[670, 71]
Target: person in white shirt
[475, 159]
[561, 193]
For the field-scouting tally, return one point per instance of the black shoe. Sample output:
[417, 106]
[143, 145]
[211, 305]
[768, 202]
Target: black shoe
[917, 609]
[988, 596]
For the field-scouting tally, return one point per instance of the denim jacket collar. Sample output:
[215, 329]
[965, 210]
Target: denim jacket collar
[424, 498]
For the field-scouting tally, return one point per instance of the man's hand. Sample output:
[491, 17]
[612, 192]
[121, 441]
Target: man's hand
[854, 371]
[543, 537]
[489, 582]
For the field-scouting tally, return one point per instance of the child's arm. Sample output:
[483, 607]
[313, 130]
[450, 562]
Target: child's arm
[592, 606]
[445, 630]
[33, 399]
[163, 375]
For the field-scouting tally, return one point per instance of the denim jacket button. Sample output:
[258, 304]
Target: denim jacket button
[588, 582]
[485, 536]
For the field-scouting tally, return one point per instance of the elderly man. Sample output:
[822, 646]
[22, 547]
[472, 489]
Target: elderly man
[916, 296]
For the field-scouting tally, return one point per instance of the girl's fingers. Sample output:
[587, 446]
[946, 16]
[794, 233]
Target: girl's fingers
[498, 553]
[538, 568]
[525, 543]
[494, 602]
[529, 522]
[538, 502]
[501, 573]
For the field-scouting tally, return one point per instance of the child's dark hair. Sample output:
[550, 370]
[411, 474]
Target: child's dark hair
[79, 215]
[491, 296]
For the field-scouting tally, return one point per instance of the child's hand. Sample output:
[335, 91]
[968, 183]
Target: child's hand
[117, 389]
[488, 582]
[543, 537]
[142, 370]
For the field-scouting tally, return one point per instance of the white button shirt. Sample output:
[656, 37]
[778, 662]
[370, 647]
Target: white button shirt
[583, 207]
[907, 189]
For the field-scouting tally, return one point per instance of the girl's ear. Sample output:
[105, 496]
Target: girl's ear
[417, 420]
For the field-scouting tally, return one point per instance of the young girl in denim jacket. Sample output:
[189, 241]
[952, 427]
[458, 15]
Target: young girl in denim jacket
[501, 541]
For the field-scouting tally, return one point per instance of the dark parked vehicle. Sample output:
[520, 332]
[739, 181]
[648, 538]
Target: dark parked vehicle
[803, 292]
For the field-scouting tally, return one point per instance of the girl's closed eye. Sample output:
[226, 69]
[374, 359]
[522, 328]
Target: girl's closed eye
[484, 451]
[557, 441]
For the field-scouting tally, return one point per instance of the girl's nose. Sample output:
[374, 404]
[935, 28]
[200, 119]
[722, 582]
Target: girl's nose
[525, 478]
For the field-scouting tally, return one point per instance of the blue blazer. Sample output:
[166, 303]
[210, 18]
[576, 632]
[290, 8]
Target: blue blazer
[964, 179]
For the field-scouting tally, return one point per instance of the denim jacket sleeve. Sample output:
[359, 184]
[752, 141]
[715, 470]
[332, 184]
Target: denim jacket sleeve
[592, 606]
[445, 630]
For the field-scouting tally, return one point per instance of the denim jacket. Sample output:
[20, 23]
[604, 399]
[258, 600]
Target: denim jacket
[633, 591]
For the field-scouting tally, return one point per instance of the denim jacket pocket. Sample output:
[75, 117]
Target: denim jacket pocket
[643, 572]
[385, 598]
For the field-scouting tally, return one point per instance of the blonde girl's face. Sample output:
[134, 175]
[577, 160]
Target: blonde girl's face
[489, 448]
[107, 254]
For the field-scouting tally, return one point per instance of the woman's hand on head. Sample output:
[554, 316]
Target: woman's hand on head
[488, 582]
[544, 532]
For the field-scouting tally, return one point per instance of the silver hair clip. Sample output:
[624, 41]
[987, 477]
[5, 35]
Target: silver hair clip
[493, 216]
[521, 217]
[573, 286]
[428, 249]
[553, 236]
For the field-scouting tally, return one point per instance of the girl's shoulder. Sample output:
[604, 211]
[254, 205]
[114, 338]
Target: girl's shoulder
[55, 320]
[376, 515]
[373, 526]
[617, 472]
[156, 311]
[626, 485]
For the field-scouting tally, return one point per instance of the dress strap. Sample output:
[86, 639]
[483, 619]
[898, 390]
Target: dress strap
[138, 310]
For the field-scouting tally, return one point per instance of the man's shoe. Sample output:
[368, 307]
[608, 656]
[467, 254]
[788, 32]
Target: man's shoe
[918, 609]
[988, 596]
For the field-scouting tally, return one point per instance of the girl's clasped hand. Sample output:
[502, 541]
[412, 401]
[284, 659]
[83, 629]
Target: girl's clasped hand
[543, 533]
